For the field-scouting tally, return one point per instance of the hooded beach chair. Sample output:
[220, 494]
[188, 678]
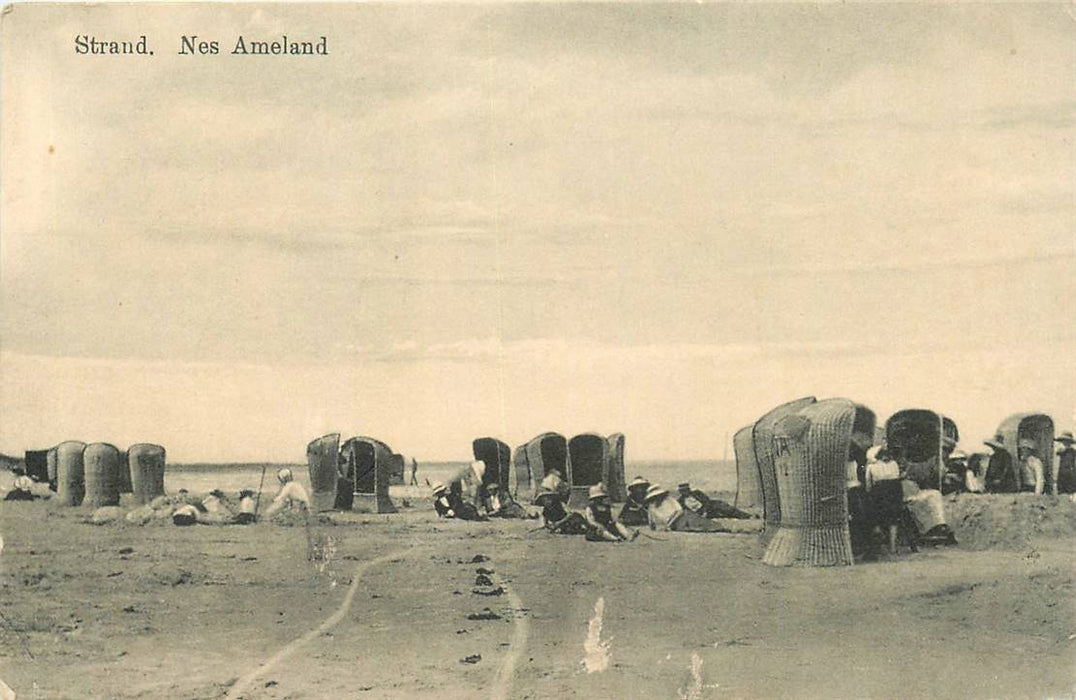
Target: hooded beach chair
[762, 435]
[920, 440]
[1039, 429]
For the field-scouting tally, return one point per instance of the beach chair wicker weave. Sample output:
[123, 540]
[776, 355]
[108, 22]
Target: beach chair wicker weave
[101, 468]
[146, 464]
[748, 486]
[322, 456]
[70, 474]
[614, 476]
[763, 438]
[811, 449]
[541, 455]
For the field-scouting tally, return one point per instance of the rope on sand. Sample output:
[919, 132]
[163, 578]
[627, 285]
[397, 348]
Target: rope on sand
[244, 682]
[521, 630]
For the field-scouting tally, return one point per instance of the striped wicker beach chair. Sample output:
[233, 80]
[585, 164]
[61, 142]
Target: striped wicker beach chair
[811, 449]
[763, 439]
[322, 463]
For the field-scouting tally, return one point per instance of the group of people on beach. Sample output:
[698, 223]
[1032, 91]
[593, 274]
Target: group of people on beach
[997, 472]
[469, 497]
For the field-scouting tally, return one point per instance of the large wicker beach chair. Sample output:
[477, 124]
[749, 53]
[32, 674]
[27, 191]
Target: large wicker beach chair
[322, 461]
[615, 483]
[70, 473]
[920, 440]
[146, 463]
[497, 457]
[762, 435]
[811, 450]
[367, 464]
[101, 469]
[588, 459]
[538, 457]
[1039, 428]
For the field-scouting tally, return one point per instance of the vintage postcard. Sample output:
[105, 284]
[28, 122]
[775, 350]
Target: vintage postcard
[537, 350]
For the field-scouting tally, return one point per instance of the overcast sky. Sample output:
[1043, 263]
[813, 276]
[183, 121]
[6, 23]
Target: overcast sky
[466, 220]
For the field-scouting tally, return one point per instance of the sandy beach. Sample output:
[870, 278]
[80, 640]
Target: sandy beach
[364, 606]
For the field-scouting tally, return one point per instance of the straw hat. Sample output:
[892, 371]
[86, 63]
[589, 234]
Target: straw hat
[597, 491]
[654, 492]
[638, 481]
[997, 442]
[1065, 437]
[437, 487]
[493, 487]
[958, 456]
[1027, 444]
[284, 475]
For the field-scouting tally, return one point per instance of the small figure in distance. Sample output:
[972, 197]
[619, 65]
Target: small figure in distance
[414, 471]
[602, 527]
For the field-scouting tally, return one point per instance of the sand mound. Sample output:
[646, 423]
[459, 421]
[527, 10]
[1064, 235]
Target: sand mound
[1009, 521]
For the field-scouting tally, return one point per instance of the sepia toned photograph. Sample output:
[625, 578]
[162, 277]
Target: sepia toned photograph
[537, 350]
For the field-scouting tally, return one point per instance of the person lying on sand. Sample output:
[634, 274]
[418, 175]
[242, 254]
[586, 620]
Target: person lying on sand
[555, 518]
[602, 527]
[450, 504]
[928, 513]
[291, 494]
[185, 515]
[665, 513]
[698, 502]
[634, 511]
[247, 506]
[216, 510]
[20, 490]
[502, 505]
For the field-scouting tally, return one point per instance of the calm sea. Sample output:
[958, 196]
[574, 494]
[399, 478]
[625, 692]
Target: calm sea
[708, 475]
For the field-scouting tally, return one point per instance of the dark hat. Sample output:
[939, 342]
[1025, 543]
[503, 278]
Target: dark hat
[1065, 437]
[684, 486]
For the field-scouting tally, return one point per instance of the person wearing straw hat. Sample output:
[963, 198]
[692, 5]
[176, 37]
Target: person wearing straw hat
[450, 504]
[554, 481]
[634, 511]
[503, 505]
[698, 502]
[602, 527]
[665, 513]
[556, 518]
[1032, 479]
[1066, 463]
[1000, 475]
[291, 494]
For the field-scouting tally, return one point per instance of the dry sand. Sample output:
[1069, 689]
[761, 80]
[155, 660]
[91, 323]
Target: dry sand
[123, 611]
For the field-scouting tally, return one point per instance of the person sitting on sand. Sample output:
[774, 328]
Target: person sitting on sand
[956, 467]
[1031, 469]
[928, 513]
[449, 504]
[186, 514]
[602, 526]
[291, 494]
[554, 516]
[634, 511]
[1000, 474]
[502, 505]
[554, 482]
[665, 513]
[247, 507]
[216, 510]
[1066, 463]
[20, 490]
[698, 502]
